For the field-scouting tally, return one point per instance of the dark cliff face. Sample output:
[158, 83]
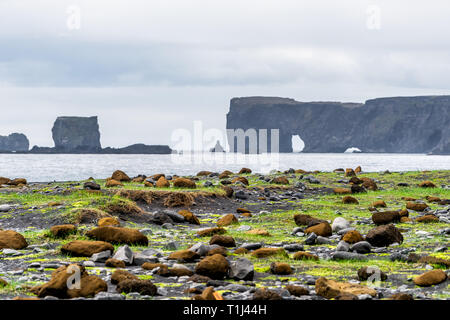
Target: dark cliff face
[399, 124]
[15, 142]
[76, 134]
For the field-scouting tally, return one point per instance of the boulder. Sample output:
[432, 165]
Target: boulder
[184, 183]
[267, 252]
[111, 183]
[84, 248]
[430, 278]
[342, 190]
[384, 235]
[352, 237]
[280, 180]
[242, 180]
[361, 247]
[162, 183]
[211, 231]
[184, 255]
[331, 289]
[297, 290]
[259, 232]
[369, 184]
[214, 267]
[302, 255]
[427, 218]
[416, 206]
[427, 184]
[120, 176]
[350, 200]
[189, 217]
[124, 254]
[379, 204]
[280, 268]
[339, 224]
[143, 287]
[227, 220]
[386, 217]
[108, 222]
[306, 220]
[63, 284]
[62, 231]
[10, 239]
[245, 171]
[122, 275]
[266, 294]
[118, 235]
[241, 269]
[376, 274]
[114, 263]
[224, 241]
[322, 229]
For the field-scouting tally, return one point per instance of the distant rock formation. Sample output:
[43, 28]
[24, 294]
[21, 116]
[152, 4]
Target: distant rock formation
[217, 148]
[15, 142]
[393, 125]
[139, 149]
[76, 134]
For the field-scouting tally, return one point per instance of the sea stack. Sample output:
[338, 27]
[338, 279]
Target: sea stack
[76, 134]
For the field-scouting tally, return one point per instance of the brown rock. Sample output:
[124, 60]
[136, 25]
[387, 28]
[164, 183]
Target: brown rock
[184, 255]
[350, 200]
[379, 204]
[240, 179]
[219, 250]
[358, 169]
[380, 218]
[331, 289]
[184, 183]
[214, 267]
[118, 235]
[242, 210]
[120, 176]
[143, 287]
[3, 283]
[352, 237]
[241, 251]
[61, 231]
[203, 173]
[228, 191]
[162, 183]
[10, 239]
[297, 290]
[302, 255]
[384, 235]
[114, 263]
[280, 180]
[227, 220]
[433, 199]
[369, 184]
[306, 220]
[365, 273]
[280, 268]
[109, 222]
[259, 232]
[427, 184]
[342, 191]
[208, 294]
[322, 229]
[122, 275]
[430, 278]
[266, 294]
[224, 241]
[189, 217]
[267, 252]
[4, 180]
[18, 182]
[428, 218]
[211, 231]
[61, 277]
[405, 219]
[245, 171]
[401, 296]
[84, 248]
[113, 183]
[416, 206]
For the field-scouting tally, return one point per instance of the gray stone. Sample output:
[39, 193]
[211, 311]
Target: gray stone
[293, 247]
[341, 255]
[239, 194]
[241, 269]
[176, 217]
[139, 259]
[251, 246]
[361, 247]
[89, 263]
[343, 246]
[340, 224]
[5, 207]
[311, 239]
[109, 296]
[124, 254]
[101, 256]
[323, 240]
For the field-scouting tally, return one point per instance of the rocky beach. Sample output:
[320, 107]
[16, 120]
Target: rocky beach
[293, 235]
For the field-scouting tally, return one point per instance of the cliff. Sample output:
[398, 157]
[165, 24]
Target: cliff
[397, 125]
[15, 142]
[76, 134]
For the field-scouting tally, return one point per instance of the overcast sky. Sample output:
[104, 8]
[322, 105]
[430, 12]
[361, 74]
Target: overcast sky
[149, 67]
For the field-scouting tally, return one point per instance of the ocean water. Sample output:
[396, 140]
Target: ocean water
[64, 167]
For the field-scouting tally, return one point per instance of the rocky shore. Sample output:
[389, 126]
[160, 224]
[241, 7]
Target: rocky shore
[293, 235]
